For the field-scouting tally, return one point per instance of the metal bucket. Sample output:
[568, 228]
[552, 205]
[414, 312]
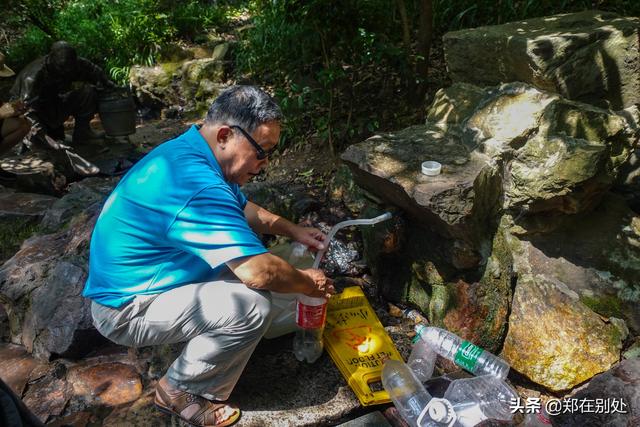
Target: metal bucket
[117, 113]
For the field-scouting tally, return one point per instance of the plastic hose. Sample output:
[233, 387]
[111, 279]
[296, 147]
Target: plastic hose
[343, 224]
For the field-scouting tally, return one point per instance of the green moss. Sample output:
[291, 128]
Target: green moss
[607, 305]
[418, 295]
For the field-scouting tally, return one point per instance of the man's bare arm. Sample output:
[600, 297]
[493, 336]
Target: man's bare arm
[269, 272]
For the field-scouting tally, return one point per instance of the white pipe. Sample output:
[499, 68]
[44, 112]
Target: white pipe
[343, 224]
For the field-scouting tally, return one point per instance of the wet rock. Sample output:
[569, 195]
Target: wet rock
[40, 288]
[79, 419]
[20, 214]
[616, 391]
[47, 397]
[16, 365]
[109, 384]
[589, 56]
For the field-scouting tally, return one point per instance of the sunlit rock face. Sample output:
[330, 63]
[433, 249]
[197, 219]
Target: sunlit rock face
[588, 56]
[189, 84]
[559, 156]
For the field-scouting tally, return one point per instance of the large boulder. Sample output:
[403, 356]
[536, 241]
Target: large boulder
[40, 288]
[588, 56]
[580, 284]
[560, 157]
[453, 204]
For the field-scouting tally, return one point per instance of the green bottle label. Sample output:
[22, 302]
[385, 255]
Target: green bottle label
[467, 355]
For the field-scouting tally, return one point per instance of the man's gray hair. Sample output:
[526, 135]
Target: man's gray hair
[244, 106]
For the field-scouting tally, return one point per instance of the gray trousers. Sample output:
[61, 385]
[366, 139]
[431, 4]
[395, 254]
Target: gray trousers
[221, 321]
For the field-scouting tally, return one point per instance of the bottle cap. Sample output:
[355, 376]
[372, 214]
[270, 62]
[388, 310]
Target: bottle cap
[431, 168]
[440, 410]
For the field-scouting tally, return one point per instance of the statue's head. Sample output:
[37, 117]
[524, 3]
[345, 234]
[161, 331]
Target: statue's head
[62, 57]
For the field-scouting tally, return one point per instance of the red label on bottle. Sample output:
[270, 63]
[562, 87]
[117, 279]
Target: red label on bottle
[310, 316]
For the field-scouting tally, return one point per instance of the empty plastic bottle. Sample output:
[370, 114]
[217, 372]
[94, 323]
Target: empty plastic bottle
[311, 314]
[463, 353]
[407, 393]
[422, 359]
[478, 399]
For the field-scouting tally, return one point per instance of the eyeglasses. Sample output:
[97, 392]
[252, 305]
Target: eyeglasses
[262, 154]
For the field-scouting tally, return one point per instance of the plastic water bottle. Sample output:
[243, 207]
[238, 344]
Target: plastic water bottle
[422, 359]
[481, 398]
[311, 314]
[463, 353]
[407, 393]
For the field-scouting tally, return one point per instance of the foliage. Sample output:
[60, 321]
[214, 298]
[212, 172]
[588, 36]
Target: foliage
[113, 33]
[456, 14]
[322, 62]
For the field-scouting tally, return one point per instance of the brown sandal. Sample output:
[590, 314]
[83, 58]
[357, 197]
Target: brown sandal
[209, 414]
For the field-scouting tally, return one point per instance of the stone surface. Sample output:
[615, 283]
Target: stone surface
[554, 338]
[618, 391]
[452, 203]
[109, 384]
[47, 397]
[40, 289]
[597, 256]
[20, 214]
[192, 84]
[588, 56]
[16, 366]
[556, 156]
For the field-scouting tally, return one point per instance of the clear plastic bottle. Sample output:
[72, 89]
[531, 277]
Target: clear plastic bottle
[481, 398]
[407, 393]
[463, 353]
[422, 359]
[311, 314]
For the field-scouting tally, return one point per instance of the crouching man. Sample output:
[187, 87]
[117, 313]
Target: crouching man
[175, 256]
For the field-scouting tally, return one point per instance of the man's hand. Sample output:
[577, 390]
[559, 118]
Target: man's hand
[309, 236]
[324, 285]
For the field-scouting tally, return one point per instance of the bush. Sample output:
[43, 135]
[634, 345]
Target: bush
[114, 34]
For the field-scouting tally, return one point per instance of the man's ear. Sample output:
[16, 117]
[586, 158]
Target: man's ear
[223, 135]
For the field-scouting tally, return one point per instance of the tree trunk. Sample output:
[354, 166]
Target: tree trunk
[425, 33]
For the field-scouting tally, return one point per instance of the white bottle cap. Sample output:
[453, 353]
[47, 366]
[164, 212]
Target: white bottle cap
[431, 168]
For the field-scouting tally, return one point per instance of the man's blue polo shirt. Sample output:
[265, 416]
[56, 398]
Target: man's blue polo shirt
[172, 220]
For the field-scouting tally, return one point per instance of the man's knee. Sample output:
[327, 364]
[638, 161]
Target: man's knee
[255, 307]
[248, 309]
